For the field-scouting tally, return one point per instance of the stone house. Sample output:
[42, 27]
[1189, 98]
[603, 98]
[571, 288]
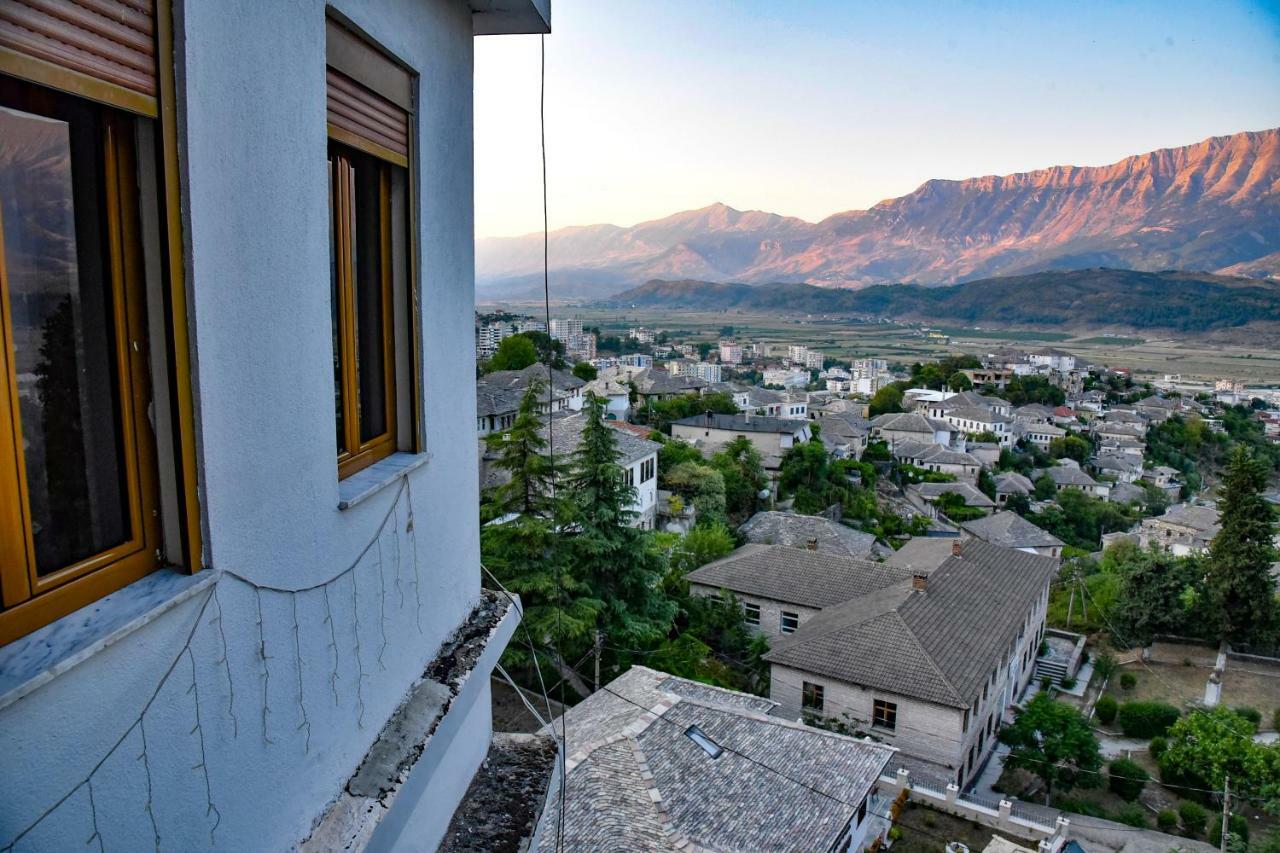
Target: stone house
[929, 663]
[773, 437]
[913, 426]
[1010, 530]
[939, 459]
[1010, 483]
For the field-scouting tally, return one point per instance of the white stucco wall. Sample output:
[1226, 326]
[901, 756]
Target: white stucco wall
[254, 85]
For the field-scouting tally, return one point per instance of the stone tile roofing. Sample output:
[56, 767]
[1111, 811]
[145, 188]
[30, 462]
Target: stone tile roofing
[797, 531]
[496, 401]
[636, 783]
[795, 575]
[567, 431]
[745, 423]
[1067, 475]
[1012, 531]
[923, 553]
[653, 381]
[1202, 519]
[971, 494]
[521, 379]
[940, 644]
[908, 422]
[928, 451]
[1123, 493]
[1011, 482]
[978, 414]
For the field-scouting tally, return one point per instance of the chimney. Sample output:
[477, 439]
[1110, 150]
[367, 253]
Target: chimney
[813, 544]
[955, 548]
[919, 581]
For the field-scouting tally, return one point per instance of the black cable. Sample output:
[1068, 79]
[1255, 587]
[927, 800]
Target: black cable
[551, 385]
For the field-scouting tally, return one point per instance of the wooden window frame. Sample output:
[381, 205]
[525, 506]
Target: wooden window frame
[884, 714]
[76, 592]
[812, 696]
[30, 600]
[356, 455]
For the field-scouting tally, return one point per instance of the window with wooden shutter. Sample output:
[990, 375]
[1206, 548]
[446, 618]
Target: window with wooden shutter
[369, 97]
[104, 50]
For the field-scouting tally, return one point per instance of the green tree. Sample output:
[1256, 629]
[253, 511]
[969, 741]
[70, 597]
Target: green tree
[585, 370]
[548, 348]
[804, 473]
[960, 382]
[1206, 746]
[514, 353]
[1071, 447]
[616, 561]
[1045, 488]
[522, 456]
[703, 487]
[887, 399]
[742, 468]
[1053, 741]
[1241, 591]
[1160, 594]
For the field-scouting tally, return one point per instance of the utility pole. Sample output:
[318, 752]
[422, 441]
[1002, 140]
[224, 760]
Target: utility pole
[1226, 810]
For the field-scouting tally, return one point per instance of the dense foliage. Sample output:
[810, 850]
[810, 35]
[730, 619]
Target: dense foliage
[1054, 742]
[1241, 590]
[660, 413]
[1206, 746]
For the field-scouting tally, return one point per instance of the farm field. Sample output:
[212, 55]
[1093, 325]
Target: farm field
[1149, 358]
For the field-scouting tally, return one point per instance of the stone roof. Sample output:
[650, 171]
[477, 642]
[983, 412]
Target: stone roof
[1123, 462]
[655, 381]
[939, 644]
[1068, 475]
[923, 553]
[635, 781]
[908, 422]
[971, 494]
[567, 434]
[521, 379]
[1203, 519]
[496, 401]
[979, 414]
[1013, 483]
[928, 451]
[1123, 493]
[745, 423]
[795, 575]
[797, 531]
[1012, 531]
[963, 399]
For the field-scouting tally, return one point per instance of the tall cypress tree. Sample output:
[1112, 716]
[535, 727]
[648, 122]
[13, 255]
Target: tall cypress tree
[617, 562]
[1242, 593]
[523, 548]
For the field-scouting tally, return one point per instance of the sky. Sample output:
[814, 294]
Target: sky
[811, 107]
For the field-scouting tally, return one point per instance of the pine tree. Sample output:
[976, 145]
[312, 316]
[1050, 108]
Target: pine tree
[618, 563]
[522, 455]
[1242, 593]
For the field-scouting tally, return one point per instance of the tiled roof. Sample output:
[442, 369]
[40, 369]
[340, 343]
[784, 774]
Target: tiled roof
[1123, 493]
[1068, 475]
[787, 528]
[567, 432]
[1012, 483]
[978, 414]
[923, 553]
[972, 496]
[1200, 518]
[521, 379]
[745, 423]
[940, 644]
[496, 401]
[795, 575]
[907, 422]
[654, 381]
[1012, 531]
[635, 782]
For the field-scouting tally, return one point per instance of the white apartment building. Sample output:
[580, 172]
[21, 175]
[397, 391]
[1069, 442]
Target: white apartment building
[730, 353]
[253, 616]
[706, 372]
[786, 378]
[642, 335]
[562, 328]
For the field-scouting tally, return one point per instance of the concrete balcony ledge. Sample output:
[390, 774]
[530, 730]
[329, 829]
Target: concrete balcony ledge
[381, 800]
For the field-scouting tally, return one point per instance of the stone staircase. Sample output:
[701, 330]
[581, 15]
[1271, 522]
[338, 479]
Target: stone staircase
[1054, 670]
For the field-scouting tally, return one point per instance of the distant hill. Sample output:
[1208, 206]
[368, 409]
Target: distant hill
[1076, 299]
[1211, 205]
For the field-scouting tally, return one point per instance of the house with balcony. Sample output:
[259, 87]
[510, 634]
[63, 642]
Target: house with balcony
[928, 662]
[241, 600]
[661, 763]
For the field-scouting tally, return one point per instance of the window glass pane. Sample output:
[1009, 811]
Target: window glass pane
[335, 299]
[366, 259]
[64, 348]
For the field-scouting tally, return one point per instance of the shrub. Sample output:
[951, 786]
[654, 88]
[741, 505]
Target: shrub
[1236, 825]
[1193, 816]
[1253, 715]
[1275, 720]
[1157, 747]
[1045, 682]
[1069, 682]
[1167, 819]
[1084, 807]
[1126, 778]
[1146, 719]
[1105, 709]
[1132, 814]
[1128, 680]
[1105, 665]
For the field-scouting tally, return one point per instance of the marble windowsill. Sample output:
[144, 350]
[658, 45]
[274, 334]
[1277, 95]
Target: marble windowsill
[36, 659]
[363, 485]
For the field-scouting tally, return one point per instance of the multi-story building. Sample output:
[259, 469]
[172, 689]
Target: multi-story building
[730, 353]
[642, 335]
[564, 328]
[786, 378]
[489, 336]
[927, 660]
[242, 603]
[705, 371]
